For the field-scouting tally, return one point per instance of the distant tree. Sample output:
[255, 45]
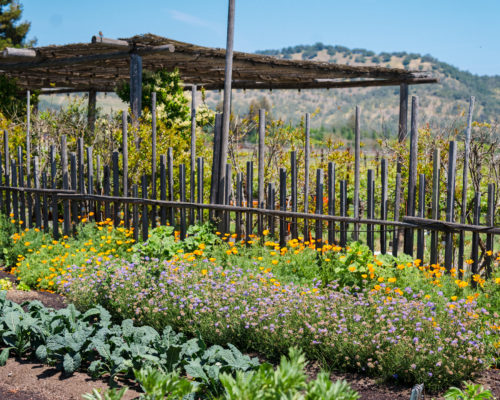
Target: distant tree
[13, 33]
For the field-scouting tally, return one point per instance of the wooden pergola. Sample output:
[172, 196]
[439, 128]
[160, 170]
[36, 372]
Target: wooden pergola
[99, 66]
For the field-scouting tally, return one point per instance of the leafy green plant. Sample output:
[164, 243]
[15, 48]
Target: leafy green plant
[5, 284]
[158, 385]
[287, 381]
[110, 394]
[471, 392]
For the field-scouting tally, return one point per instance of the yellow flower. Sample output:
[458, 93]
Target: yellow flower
[265, 232]
[204, 271]
[391, 280]
[364, 276]
[377, 287]
[380, 279]
[469, 261]
[274, 262]
[352, 268]
[212, 259]
[401, 266]
[454, 298]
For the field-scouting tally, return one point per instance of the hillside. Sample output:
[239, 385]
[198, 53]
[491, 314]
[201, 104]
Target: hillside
[440, 104]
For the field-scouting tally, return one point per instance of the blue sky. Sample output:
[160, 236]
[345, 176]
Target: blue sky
[463, 33]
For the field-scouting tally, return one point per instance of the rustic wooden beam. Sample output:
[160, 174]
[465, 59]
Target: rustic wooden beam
[109, 42]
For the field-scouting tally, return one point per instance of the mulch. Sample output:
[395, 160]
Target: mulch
[50, 385]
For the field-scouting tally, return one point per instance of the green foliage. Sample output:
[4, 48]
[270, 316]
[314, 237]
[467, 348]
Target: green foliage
[287, 381]
[12, 33]
[158, 385]
[71, 340]
[5, 284]
[471, 392]
[163, 244]
[172, 105]
[12, 100]
[110, 394]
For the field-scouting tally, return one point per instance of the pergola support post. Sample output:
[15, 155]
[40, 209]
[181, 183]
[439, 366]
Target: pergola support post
[135, 86]
[91, 114]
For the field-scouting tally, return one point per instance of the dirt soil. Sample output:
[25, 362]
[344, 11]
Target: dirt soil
[22, 380]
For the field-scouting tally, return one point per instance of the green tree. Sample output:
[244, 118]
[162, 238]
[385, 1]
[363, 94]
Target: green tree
[13, 33]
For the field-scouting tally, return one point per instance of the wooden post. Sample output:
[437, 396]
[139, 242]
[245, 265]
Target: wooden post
[226, 104]
[270, 206]
[125, 165]
[239, 203]
[163, 188]
[262, 138]
[145, 223]
[490, 221]
[200, 168]
[331, 201]
[249, 221]
[357, 156]
[98, 187]
[319, 207]
[282, 206]
[65, 182]
[475, 239]
[343, 200]
[135, 87]
[369, 214]
[193, 153]
[397, 207]
[90, 178]
[403, 117]
[135, 213]
[153, 157]
[53, 173]
[91, 112]
[421, 212]
[436, 160]
[45, 204]
[36, 179]
[107, 191]
[227, 193]
[306, 176]
[15, 204]
[293, 184]
[412, 175]
[116, 188]
[383, 206]
[7, 170]
[74, 187]
[21, 195]
[170, 178]
[28, 136]
[214, 183]
[182, 198]
[450, 204]
[465, 175]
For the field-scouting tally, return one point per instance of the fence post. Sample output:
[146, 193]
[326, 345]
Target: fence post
[116, 188]
[15, 204]
[331, 201]
[369, 211]
[163, 188]
[65, 181]
[21, 195]
[6, 171]
[182, 198]
[125, 166]
[412, 175]
[270, 206]
[450, 204]
[357, 156]
[36, 178]
[193, 153]
[170, 177]
[465, 174]
[45, 204]
[475, 239]
[282, 207]
[135, 213]
[306, 176]
[107, 190]
[436, 160]
[383, 206]
[239, 202]
[421, 212]
[145, 223]
[319, 208]
[74, 187]
[262, 137]
[249, 221]
[90, 179]
[490, 221]
[200, 168]
[293, 184]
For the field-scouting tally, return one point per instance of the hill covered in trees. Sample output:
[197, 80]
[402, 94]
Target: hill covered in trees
[441, 104]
